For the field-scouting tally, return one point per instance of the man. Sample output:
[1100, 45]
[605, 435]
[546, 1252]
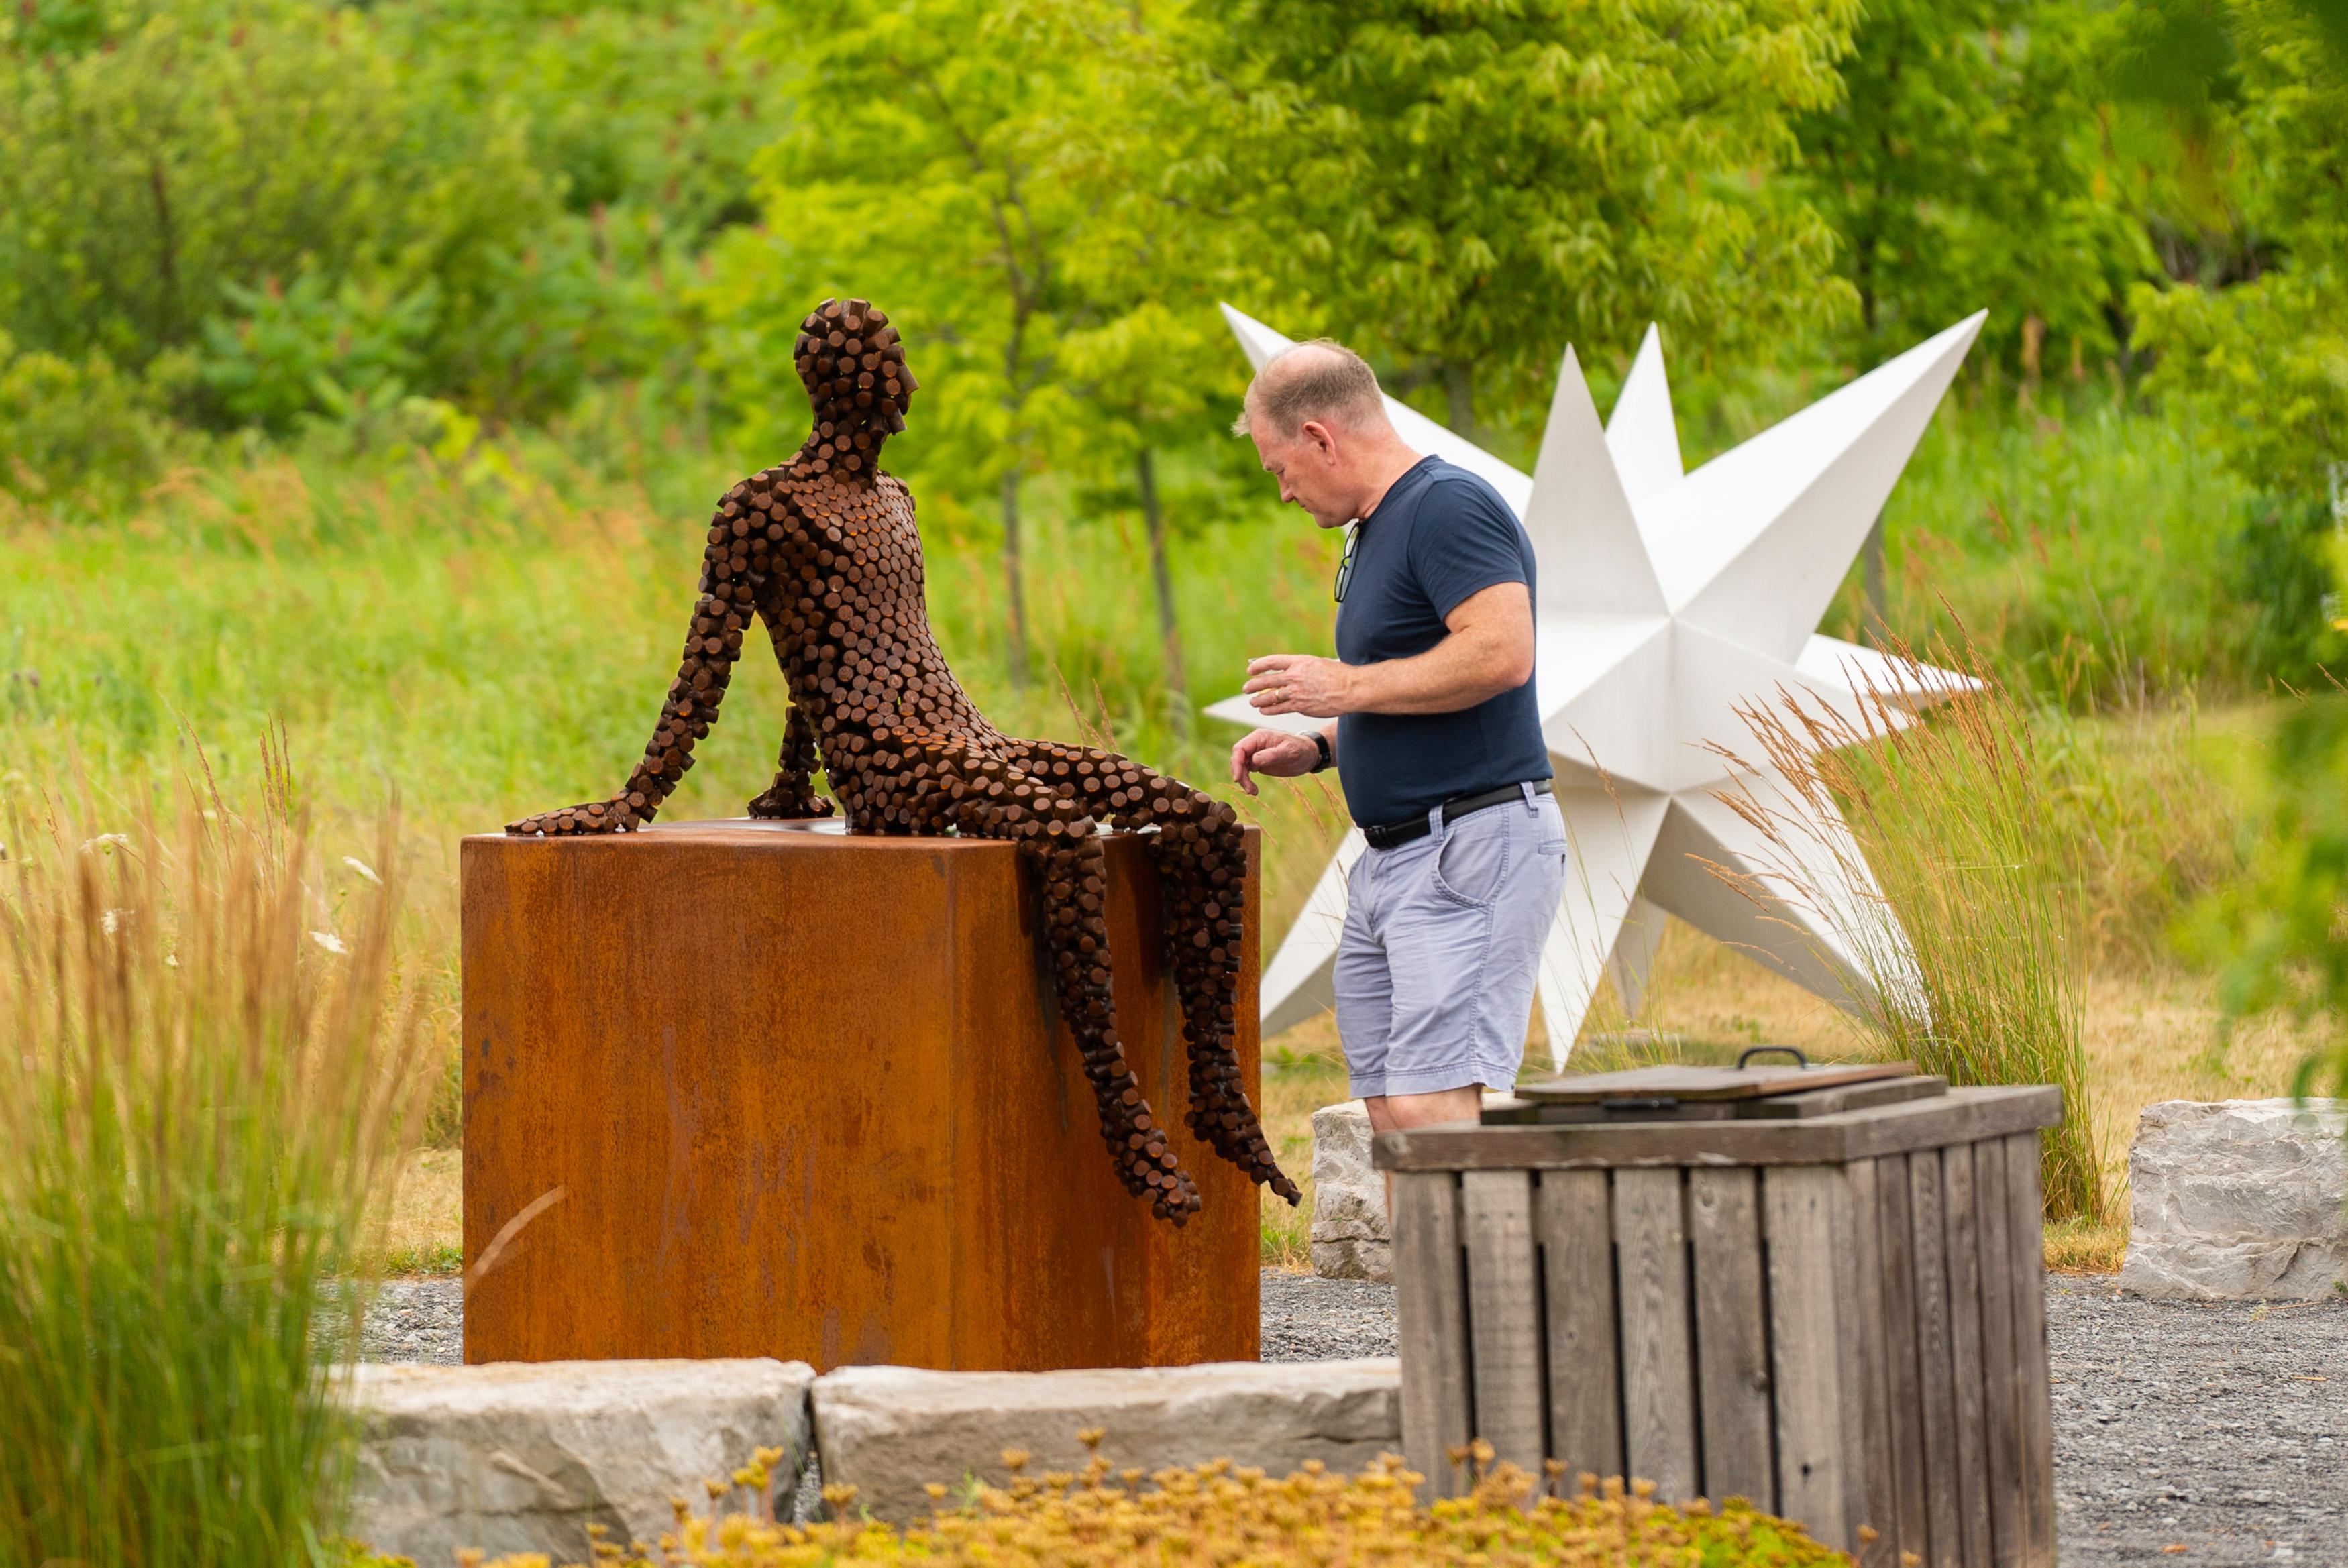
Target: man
[1434, 735]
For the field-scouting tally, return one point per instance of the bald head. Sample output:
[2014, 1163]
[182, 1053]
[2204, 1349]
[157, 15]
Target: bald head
[1320, 429]
[1319, 381]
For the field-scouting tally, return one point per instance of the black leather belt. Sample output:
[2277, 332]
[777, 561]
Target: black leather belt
[1394, 834]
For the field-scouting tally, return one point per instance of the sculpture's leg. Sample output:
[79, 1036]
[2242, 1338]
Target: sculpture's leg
[935, 780]
[1201, 851]
[733, 560]
[792, 794]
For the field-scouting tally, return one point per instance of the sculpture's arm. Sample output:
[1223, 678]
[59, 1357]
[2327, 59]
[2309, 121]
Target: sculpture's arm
[712, 643]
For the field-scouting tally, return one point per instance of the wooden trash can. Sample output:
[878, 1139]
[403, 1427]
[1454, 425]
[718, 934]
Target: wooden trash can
[772, 1089]
[1818, 1288]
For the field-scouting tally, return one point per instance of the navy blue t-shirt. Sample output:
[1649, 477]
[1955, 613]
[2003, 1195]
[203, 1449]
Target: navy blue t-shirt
[1439, 536]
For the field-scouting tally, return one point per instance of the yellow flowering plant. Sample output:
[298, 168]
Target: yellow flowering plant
[1231, 1516]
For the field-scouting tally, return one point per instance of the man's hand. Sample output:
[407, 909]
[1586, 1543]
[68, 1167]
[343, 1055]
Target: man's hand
[1299, 683]
[1275, 754]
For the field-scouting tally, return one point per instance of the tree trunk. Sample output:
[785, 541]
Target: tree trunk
[167, 325]
[1460, 397]
[1872, 554]
[1169, 631]
[1011, 576]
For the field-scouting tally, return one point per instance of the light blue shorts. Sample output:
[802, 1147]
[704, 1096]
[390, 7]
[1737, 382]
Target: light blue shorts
[1441, 947]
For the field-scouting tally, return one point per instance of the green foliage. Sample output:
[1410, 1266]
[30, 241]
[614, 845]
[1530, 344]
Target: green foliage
[203, 1081]
[2104, 556]
[1964, 170]
[1466, 188]
[229, 145]
[2276, 934]
[2267, 362]
[296, 350]
[71, 430]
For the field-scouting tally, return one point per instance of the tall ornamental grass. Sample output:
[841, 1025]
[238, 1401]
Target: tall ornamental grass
[1957, 892]
[203, 1074]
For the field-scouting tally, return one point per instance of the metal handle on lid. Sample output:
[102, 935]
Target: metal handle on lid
[1750, 1051]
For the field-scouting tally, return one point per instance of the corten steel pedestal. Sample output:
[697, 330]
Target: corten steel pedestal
[804, 1097]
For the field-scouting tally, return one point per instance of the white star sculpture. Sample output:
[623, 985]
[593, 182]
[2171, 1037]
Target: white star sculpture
[1667, 600]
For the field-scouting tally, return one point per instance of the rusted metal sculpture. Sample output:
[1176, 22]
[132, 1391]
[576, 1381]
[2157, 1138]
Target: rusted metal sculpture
[824, 550]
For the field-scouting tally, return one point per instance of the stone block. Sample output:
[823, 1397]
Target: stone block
[2237, 1199]
[1349, 1198]
[891, 1431]
[515, 1457]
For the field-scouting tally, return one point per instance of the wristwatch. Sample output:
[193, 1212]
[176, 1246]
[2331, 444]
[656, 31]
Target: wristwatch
[1327, 758]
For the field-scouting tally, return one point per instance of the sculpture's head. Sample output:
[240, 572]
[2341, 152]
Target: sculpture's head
[854, 367]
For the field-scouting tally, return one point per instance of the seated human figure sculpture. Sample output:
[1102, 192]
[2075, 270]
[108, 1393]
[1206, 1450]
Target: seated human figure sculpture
[824, 550]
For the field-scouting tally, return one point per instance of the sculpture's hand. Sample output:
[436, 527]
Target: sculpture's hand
[613, 816]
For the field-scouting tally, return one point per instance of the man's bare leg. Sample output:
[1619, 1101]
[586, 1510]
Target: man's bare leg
[1391, 1112]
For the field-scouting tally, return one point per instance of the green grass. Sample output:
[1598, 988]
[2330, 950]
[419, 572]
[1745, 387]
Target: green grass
[203, 1081]
[2102, 555]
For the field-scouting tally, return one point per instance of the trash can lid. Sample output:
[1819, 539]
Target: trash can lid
[1679, 1093]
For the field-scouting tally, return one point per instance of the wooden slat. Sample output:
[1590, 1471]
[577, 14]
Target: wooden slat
[1658, 1387]
[1732, 1334]
[1878, 1507]
[1960, 1116]
[1936, 1396]
[1572, 1215]
[1496, 1211]
[2026, 1239]
[1963, 1242]
[1431, 1326]
[1897, 1234]
[2000, 1367]
[1678, 1081]
[1514, 1110]
[1805, 1291]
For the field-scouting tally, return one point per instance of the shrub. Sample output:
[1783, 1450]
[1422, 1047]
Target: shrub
[71, 428]
[1956, 891]
[199, 1089]
[1221, 1514]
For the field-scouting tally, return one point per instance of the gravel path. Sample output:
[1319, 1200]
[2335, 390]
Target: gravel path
[2221, 1429]
[416, 1321]
[1307, 1318]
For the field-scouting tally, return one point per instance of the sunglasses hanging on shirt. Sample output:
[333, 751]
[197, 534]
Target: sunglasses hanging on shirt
[1345, 567]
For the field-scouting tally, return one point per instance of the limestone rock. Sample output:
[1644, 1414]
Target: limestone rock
[522, 1457]
[891, 1430]
[1349, 1198]
[2238, 1199]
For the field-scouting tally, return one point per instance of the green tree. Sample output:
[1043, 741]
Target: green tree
[1150, 381]
[230, 145]
[932, 173]
[1465, 186]
[2266, 362]
[1964, 169]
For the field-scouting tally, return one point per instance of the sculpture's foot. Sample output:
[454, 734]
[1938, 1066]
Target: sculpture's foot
[597, 816]
[780, 803]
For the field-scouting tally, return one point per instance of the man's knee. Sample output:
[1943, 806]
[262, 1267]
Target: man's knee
[1389, 1113]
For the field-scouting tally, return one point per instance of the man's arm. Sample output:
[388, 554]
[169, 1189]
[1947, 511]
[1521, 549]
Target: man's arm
[1489, 652]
